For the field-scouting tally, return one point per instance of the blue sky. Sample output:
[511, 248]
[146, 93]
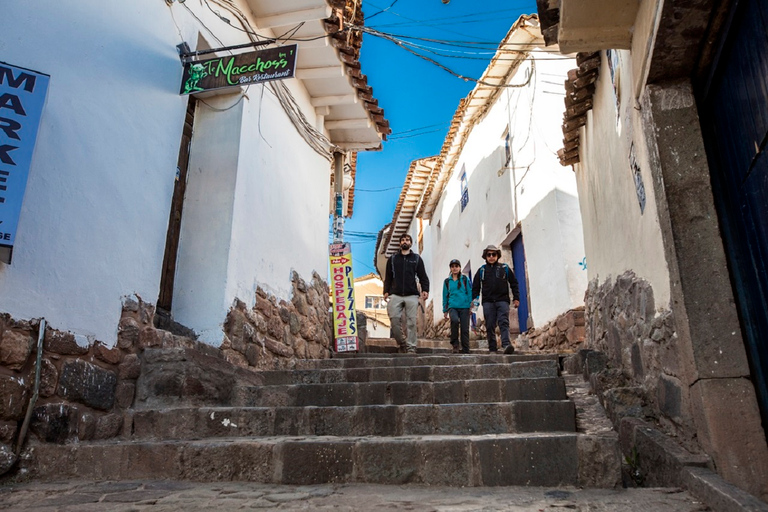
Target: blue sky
[418, 98]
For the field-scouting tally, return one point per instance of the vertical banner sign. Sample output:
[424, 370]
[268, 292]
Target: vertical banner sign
[343, 298]
[22, 96]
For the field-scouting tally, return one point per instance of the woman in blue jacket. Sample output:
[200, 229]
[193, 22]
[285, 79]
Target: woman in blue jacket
[457, 299]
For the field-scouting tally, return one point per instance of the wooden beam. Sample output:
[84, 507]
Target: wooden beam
[294, 17]
[317, 73]
[324, 101]
[348, 124]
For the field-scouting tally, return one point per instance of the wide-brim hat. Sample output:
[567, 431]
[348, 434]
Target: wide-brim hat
[454, 262]
[491, 248]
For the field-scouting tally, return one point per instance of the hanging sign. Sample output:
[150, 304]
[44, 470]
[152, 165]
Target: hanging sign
[22, 97]
[343, 298]
[239, 70]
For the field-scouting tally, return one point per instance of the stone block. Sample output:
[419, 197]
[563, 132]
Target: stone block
[106, 354]
[594, 362]
[480, 391]
[722, 407]
[8, 431]
[669, 396]
[15, 348]
[411, 393]
[13, 398]
[622, 402]
[371, 393]
[599, 461]
[446, 462]
[108, 426]
[660, 459]
[388, 461]
[708, 487]
[546, 388]
[128, 333]
[62, 343]
[544, 416]
[449, 392]
[124, 394]
[130, 368]
[49, 378]
[416, 421]
[55, 422]
[307, 462]
[541, 461]
[86, 426]
[149, 337]
[376, 420]
[469, 419]
[88, 384]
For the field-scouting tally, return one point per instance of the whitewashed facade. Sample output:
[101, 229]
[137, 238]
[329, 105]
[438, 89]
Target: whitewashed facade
[501, 151]
[92, 230]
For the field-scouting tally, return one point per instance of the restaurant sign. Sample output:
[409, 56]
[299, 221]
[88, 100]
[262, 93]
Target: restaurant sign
[239, 70]
[343, 298]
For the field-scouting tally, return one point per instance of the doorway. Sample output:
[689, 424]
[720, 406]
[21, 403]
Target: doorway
[518, 266]
[733, 106]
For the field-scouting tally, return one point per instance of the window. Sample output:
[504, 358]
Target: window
[375, 302]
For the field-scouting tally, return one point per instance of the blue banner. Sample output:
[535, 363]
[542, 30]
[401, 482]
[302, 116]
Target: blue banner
[22, 97]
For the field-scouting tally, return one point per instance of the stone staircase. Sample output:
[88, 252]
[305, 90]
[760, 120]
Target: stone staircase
[435, 419]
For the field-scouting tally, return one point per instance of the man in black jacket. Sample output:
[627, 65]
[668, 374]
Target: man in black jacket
[402, 289]
[496, 280]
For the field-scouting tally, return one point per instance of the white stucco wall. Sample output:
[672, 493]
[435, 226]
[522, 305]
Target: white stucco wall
[617, 236]
[95, 215]
[553, 249]
[501, 197]
[95, 212]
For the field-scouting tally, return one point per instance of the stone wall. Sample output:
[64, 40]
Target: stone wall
[86, 388]
[565, 334]
[642, 375]
[274, 333]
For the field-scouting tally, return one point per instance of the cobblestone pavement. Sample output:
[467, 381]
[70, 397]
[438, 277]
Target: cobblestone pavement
[156, 496]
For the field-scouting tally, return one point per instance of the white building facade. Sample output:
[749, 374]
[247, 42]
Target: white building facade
[93, 228]
[497, 181]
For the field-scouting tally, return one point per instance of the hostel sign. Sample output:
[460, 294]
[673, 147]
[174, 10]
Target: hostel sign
[343, 298]
[22, 97]
[236, 70]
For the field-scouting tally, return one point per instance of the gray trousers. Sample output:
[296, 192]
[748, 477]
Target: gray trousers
[395, 310]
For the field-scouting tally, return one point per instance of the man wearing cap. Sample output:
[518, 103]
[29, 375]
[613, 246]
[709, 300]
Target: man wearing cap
[495, 280]
[402, 289]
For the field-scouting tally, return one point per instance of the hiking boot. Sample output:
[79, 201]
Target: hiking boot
[410, 350]
[509, 349]
[455, 349]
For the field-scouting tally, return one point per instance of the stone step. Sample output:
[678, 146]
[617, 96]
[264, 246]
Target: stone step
[551, 459]
[372, 420]
[411, 373]
[397, 393]
[354, 360]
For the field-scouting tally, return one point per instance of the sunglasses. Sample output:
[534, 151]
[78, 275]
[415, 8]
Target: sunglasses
[489, 254]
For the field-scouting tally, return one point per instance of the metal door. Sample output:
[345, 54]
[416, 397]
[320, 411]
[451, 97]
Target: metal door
[518, 262]
[734, 112]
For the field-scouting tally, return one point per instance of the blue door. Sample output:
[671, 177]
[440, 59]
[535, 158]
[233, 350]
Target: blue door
[734, 116]
[518, 265]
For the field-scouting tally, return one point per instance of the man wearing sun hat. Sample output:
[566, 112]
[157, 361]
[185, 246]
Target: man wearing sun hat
[495, 280]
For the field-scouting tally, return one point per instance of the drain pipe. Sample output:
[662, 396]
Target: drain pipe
[31, 406]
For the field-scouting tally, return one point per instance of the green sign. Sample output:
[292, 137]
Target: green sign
[239, 70]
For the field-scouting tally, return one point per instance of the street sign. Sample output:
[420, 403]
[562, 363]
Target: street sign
[343, 298]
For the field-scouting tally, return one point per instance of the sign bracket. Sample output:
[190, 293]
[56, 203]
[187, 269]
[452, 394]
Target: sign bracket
[186, 55]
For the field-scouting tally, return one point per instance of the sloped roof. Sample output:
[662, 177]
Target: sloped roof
[329, 67]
